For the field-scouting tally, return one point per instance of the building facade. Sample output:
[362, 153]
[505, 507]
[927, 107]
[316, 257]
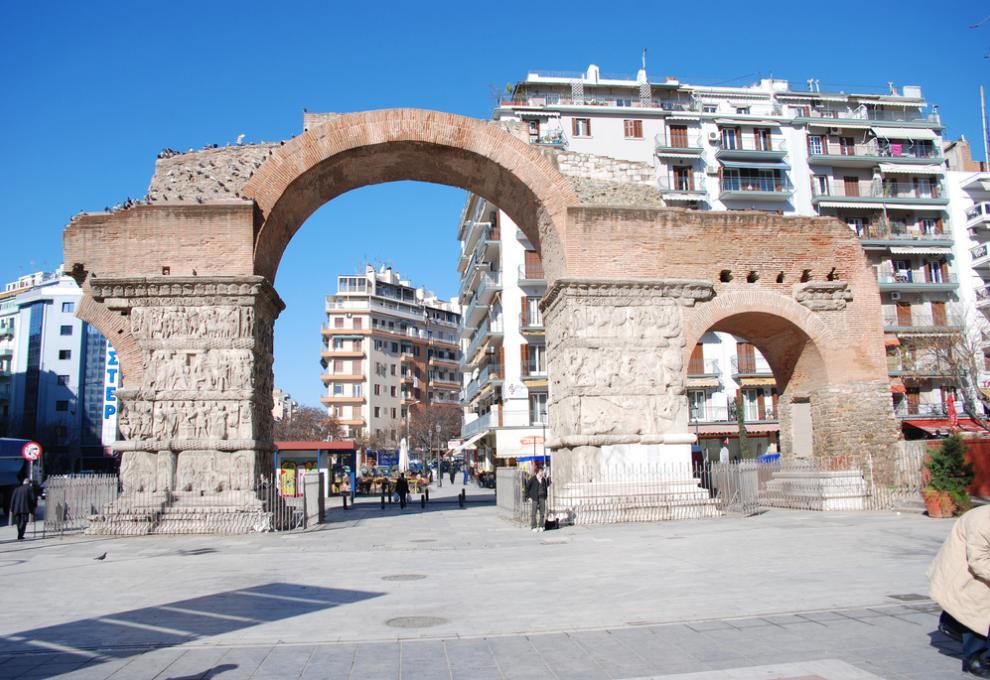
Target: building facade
[874, 162]
[60, 376]
[388, 349]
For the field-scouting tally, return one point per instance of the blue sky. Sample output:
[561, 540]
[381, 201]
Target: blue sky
[92, 91]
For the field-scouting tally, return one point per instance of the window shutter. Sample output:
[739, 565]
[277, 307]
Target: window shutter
[696, 366]
[574, 126]
[525, 311]
[588, 123]
[524, 358]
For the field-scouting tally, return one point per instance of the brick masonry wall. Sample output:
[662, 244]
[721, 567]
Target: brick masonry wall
[207, 175]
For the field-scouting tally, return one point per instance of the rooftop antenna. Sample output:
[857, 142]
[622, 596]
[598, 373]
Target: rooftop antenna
[983, 117]
[644, 58]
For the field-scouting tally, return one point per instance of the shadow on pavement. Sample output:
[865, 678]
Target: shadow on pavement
[101, 639]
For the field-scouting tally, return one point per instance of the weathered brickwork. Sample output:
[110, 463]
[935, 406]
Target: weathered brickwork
[633, 286]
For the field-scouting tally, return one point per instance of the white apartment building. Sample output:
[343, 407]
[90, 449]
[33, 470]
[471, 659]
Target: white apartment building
[58, 373]
[505, 362]
[283, 404]
[388, 348]
[872, 161]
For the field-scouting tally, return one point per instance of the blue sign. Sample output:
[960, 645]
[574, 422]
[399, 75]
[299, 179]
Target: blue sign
[388, 458]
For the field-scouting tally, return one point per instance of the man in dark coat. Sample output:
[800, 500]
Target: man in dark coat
[22, 506]
[402, 488]
[536, 492]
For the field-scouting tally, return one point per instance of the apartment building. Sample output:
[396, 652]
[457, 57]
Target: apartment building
[58, 374]
[388, 347]
[873, 161]
[505, 362]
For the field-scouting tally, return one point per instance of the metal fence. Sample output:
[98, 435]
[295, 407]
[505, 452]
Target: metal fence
[94, 504]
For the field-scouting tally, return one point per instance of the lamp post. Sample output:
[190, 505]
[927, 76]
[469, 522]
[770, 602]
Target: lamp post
[439, 472]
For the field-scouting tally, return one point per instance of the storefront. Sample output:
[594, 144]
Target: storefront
[525, 445]
[336, 460]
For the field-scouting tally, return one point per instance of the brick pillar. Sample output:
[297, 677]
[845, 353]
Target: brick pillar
[196, 415]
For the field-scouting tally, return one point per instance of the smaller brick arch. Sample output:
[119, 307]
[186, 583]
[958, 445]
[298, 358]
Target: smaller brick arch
[374, 147]
[115, 327]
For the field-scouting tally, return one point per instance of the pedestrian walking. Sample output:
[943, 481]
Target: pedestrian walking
[723, 453]
[536, 492]
[960, 584]
[402, 488]
[22, 506]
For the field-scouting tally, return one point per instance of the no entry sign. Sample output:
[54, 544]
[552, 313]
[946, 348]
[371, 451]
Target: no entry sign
[31, 451]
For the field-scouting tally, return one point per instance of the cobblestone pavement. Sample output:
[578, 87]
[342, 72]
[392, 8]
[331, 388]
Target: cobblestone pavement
[460, 593]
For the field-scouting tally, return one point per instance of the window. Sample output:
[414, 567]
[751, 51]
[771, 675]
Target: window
[930, 226]
[338, 322]
[682, 178]
[581, 127]
[62, 405]
[393, 415]
[856, 224]
[63, 380]
[68, 307]
[338, 344]
[358, 322]
[395, 348]
[742, 110]
[815, 146]
[358, 390]
[391, 390]
[936, 271]
[65, 354]
[633, 129]
[378, 390]
[378, 412]
[392, 366]
[730, 138]
[65, 330]
[379, 345]
[698, 402]
[847, 146]
[338, 390]
[533, 315]
[821, 185]
[761, 138]
[938, 313]
[709, 108]
[537, 359]
[538, 408]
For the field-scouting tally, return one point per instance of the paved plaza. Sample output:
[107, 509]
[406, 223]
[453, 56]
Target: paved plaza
[462, 593]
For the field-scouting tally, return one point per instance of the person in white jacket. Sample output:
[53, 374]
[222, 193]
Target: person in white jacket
[960, 584]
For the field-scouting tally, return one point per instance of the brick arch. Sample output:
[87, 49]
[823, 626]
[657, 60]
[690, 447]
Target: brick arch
[360, 149]
[115, 327]
[791, 337]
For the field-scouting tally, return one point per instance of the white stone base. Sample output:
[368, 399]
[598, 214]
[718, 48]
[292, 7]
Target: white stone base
[840, 490]
[230, 512]
[630, 483]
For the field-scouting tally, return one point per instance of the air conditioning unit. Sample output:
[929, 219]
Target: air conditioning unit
[714, 137]
[835, 131]
[895, 295]
[711, 169]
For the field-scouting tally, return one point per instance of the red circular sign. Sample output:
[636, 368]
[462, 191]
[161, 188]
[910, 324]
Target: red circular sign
[31, 451]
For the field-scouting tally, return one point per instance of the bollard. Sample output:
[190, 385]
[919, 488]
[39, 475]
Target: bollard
[383, 501]
[427, 494]
[344, 497]
[422, 501]
[460, 498]
[389, 494]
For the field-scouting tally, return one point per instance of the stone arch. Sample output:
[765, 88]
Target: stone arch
[360, 149]
[115, 327]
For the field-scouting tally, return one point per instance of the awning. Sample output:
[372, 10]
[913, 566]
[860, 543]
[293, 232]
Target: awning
[524, 113]
[903, 133]
[731, 429]
[914, 250]
[985, 391]
[469, 444]
[903, 169]
[941, 425]
[704, 382]
[898, 388]
[757, 381]
[825, 203]
[831, 123]
[756, 428]
[759, 165]
[891, 341]
[10, 468]
[747, 121]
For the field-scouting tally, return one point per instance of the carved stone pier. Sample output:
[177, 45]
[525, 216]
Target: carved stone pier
[196, 417]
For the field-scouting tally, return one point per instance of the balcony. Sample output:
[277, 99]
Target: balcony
[342, 354]
[889, 233]
[445, 363]
[531, 324]
[445, 383]
[868, 154]
[488, 330]
[905, 117]
[981, 257]
[919, 322]
[907, 280]
[344, 333]
[704, 369]
[531, 275]
[491, 282]
[490, 374]
[904, 195]
[533, 370]
[480, 424]
[749, 366]
[706, 413]
[683, 188]
[755, 188]
[747, 147]
[906, 410]
[978, 219]
[679, 146]
[920, 367]
[341, 399]
[341, 377]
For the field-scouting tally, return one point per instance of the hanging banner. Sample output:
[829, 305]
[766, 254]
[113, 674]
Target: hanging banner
[111, 382]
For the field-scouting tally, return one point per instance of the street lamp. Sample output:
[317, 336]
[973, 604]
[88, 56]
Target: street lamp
[439, 473]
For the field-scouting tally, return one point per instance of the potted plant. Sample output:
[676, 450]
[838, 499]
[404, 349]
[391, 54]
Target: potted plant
[948, 475]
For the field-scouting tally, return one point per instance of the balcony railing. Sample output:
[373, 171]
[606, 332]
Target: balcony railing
[875, 149]
[911, 276]
[488, 328]
[727, 414]
[979, 251]
[888, 190]
[756, 184]
[744, 365]
[745, 142]
[694, 183]
[530, 321]
[919, 318]
[480, 424]
[705, 367]
[906, 410]
[491, 372]
[899, 229]
[863, 113]
[528, 272]
[686, 144]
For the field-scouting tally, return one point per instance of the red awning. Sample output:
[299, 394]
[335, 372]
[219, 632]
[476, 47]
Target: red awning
[941, 425]
[891, 341]
[343, 445]
[733, 430]
[898, 388]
